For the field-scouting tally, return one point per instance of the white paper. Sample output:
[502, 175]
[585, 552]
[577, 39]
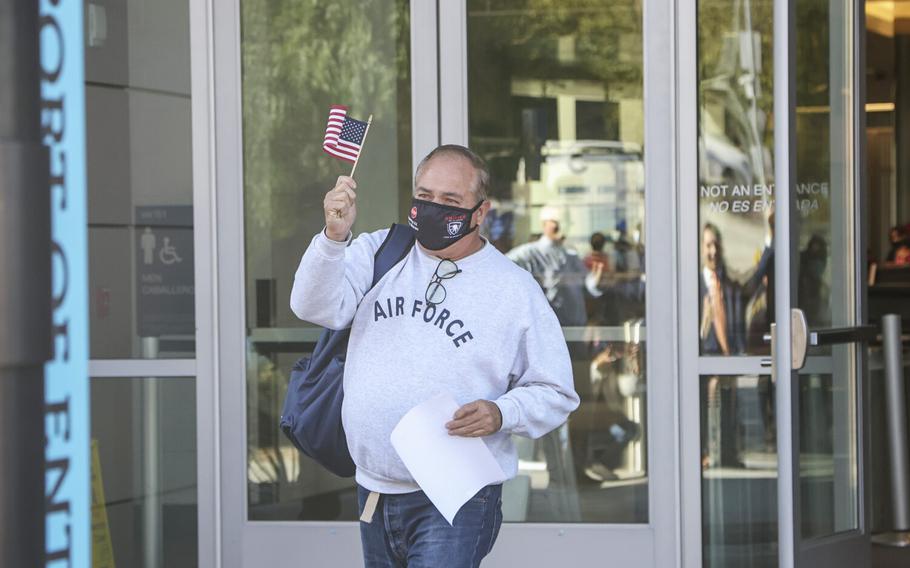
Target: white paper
[449, 469]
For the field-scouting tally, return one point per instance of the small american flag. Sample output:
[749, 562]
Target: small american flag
[343, 134]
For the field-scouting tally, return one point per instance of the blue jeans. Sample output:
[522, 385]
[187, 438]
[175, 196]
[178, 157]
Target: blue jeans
[407, 531]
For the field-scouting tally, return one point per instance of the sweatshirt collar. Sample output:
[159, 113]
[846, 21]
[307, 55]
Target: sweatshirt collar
[470, 260]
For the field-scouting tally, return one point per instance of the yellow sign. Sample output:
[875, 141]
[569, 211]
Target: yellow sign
[102, 550]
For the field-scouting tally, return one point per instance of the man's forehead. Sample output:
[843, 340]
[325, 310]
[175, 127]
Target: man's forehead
[447, 174]
[449, 164]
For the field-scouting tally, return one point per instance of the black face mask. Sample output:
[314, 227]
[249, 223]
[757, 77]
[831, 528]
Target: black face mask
[439, 226]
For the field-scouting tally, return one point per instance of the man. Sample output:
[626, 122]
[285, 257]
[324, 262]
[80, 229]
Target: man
[453, 316]
[559, 270]
[723, 300]
[723, 332]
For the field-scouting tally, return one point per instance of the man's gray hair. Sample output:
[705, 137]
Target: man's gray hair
[481, 181]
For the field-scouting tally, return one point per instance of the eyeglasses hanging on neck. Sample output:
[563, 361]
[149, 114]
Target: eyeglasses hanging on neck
[436, 292]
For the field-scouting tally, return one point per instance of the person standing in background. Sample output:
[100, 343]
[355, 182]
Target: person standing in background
[559, 270]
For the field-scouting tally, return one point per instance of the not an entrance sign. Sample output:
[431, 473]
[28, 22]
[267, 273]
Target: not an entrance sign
[164, 271]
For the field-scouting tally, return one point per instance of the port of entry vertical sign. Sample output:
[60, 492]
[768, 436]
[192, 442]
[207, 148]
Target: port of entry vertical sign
[66, 424]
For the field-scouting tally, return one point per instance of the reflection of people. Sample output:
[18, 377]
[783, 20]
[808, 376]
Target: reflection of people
[627, 255]
[597, 254]
[622, 286]
[481, 330]
[722, 332]
[559, 270]
[813, 292]
[615, 376]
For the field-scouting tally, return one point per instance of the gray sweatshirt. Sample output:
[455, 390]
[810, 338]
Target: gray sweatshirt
[494, 337]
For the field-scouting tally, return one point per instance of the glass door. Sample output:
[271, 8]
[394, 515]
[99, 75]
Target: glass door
[820, 421]
[775, 477]
[553, 96]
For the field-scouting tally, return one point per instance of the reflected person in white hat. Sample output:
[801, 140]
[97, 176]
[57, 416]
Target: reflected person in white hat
[559, 270]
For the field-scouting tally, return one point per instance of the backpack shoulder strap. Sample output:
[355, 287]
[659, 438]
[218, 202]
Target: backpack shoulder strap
[396, 245]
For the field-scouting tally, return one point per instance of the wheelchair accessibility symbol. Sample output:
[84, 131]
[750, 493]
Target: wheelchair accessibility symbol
[168, 254]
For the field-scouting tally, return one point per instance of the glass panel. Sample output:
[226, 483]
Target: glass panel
[828, 464]
[555, 107]
[298, 60]
[736, 189]
[739, 472]
[735, 146]
[824, 156]
[739, 465]
[828, 461]
[139, 152]
[144, 491]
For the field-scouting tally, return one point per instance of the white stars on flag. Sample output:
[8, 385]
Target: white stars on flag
[343, 134]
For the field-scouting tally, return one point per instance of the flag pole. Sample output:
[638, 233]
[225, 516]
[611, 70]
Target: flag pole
[362, 144]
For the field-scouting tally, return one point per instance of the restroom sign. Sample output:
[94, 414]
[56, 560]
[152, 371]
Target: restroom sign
[164, 270]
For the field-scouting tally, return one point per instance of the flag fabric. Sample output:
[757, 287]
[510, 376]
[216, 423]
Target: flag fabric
[343, 134]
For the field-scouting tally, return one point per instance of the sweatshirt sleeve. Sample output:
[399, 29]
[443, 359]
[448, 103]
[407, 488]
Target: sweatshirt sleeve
[542, 392]
[332, 279]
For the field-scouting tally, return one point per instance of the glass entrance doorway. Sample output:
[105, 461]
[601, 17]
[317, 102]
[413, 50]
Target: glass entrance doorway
[776, 237]
[553, 98]
[599, 120]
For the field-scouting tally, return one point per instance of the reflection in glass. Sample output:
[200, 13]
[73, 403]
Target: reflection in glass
[555, 107]
[298, 59]
[739, 472]
[140, 183]
[736, 186]
[736, 300]
[828, 474]
[144, 440]
[739, 468]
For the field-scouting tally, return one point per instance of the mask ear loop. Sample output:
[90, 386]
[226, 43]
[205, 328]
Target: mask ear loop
[474, 210]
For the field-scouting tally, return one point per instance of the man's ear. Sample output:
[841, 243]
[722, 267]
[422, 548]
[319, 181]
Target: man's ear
[482, 211]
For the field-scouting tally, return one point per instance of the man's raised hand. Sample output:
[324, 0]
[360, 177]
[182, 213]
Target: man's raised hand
[340, 207]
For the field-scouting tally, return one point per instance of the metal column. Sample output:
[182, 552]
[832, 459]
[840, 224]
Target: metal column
[785, 293]
[896, 407]
[25, 295]
[152, 543]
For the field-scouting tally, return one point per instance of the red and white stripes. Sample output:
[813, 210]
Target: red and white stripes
[332, 143]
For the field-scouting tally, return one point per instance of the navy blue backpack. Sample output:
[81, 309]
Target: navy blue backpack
[311, 417]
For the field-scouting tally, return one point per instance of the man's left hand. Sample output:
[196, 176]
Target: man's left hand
[476, 419]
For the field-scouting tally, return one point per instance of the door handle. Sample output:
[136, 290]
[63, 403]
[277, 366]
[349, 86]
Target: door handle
[835, 335]
[799, 333]
[802, 338]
